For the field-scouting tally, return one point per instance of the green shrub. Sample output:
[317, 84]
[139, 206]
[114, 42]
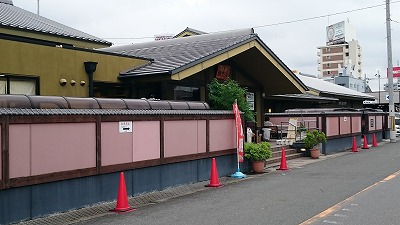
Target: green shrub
[313, 138]
[257, 151]
[222, 95]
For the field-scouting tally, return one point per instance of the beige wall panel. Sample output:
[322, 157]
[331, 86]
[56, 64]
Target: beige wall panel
[29, 62]
[9, 51]
[53, 63]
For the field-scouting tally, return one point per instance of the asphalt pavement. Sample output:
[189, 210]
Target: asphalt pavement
[309, 193]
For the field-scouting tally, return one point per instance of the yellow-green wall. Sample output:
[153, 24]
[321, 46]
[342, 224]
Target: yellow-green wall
[51, 64]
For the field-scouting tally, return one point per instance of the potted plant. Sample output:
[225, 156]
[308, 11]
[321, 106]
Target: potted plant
[257, 153]
[312, 140]
[301, 131]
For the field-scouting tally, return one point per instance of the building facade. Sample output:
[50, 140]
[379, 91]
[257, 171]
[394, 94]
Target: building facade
[342, 52]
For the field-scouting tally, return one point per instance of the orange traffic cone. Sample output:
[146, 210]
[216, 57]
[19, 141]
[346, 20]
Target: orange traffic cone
[214, 181]
[354, 148]
[374, 143]
[365, 146]
[122, 199]
[283, 165]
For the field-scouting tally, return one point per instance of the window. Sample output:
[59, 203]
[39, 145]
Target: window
[328, 57]
[328, 65]
[347, 54]
[187, 93]
[329, 72]
[11, 84]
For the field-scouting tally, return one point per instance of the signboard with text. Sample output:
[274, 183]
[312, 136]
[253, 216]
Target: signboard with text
[396, 71]
[335, 33]
[223, 72]
[125, 127]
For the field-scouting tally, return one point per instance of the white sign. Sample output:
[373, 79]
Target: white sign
[250, 96]
[387, 97]
[251, 105]
[125, 126]
[250, 99]
[335, 33]
[370, 102]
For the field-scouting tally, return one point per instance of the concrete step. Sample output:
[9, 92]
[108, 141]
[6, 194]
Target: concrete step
[288, 157]
[277, 154]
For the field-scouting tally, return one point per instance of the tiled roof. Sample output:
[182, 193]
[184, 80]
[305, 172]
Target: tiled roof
[18, 111]
[17, 18]
[326, 87]
[306, 96]
[174, 55]
[191, 30]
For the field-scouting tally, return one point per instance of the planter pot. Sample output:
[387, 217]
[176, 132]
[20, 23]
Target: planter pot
[258, 166]
[314, 153]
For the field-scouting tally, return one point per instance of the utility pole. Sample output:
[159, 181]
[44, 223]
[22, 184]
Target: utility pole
[390, 74]
[379, 86]
[38, 7]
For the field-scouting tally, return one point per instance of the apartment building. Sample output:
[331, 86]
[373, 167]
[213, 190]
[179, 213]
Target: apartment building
[342, 53]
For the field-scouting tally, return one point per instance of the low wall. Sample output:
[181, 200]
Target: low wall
[57, 160]
[340, 127]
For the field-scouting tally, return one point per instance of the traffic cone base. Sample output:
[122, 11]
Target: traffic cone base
[283, 165]
[214, 181]
[354, 147]
[374, 143]
[122, 198]
[365, 145]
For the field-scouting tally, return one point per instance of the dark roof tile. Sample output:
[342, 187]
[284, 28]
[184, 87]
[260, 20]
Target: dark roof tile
[174, 54]
[27, 112]
[12, 16]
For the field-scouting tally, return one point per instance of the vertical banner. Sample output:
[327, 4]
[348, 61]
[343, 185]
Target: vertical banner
[239, 132]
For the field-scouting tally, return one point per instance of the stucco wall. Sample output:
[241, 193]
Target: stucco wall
[51, 64]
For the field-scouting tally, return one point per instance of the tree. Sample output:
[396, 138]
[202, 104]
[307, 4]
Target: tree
[222, 95]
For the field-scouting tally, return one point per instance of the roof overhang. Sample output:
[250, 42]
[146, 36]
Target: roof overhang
[304, 97]
[255, 58]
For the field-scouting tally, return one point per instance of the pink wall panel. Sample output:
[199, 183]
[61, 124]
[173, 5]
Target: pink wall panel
[62, 147]
[356, 124]
[345, 125]
[379, 122]
[19, 151]
[278, 120]
[332, 126]
[146, 140]
[309, 122]
[202, 136]
[222, 134]
[116, 148]
[180, 138]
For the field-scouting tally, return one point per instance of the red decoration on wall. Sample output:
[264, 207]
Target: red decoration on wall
[223, 72]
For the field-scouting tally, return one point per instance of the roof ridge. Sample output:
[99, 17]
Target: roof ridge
[9, 2]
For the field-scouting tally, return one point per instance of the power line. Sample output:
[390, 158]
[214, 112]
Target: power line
[323, 16]
[281, 23]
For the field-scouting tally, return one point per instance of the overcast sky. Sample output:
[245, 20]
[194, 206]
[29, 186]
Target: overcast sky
[295, 43]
